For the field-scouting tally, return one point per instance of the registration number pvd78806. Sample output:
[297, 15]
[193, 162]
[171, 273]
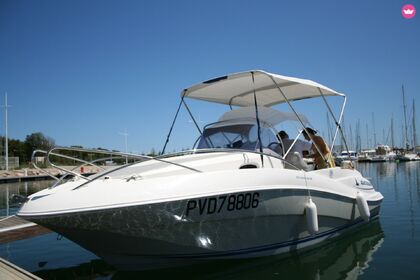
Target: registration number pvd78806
[232, 202]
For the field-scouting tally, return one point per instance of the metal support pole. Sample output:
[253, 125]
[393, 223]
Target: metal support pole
[297, 116]
[258, 120]
[172, 125]
[337, 123]
[192, 117]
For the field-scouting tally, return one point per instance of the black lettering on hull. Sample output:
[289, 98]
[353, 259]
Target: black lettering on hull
[232, 202]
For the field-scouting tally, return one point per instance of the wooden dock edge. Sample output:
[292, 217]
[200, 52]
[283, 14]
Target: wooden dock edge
[11, 271]
[13, 228]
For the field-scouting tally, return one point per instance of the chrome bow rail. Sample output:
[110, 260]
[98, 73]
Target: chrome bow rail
[111, 155]
[58, 153]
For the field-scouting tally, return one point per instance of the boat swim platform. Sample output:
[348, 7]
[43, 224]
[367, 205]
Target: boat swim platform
[13, 228]
[11, 271]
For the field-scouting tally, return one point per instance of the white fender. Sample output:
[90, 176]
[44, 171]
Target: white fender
[311, 216]
[363, 207]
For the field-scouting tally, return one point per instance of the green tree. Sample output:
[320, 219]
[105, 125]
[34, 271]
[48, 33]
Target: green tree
[17, 149]
[37, 141]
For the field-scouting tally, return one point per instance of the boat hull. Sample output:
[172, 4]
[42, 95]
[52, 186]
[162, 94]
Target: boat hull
[185, 231]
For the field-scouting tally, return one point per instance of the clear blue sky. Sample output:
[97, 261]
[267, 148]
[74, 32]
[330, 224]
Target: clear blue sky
[83, 71]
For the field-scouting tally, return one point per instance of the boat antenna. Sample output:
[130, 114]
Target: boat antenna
[258, 120]
[173, 123]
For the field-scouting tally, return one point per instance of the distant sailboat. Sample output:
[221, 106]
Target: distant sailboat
[408, 154]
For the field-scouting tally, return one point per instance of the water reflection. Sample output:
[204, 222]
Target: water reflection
[22, 188]
[382, 170]
[418, 184]
[344, 258]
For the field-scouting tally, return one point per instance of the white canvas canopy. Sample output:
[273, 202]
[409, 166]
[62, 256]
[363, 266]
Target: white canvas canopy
[265, 114]
[238, 89]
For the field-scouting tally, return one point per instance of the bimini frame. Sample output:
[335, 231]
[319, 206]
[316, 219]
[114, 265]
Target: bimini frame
[252, 93]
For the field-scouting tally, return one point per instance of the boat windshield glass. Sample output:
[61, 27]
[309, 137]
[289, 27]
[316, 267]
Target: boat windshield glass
[240, 136]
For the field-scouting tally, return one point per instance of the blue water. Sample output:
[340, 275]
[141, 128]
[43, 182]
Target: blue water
[388, 248]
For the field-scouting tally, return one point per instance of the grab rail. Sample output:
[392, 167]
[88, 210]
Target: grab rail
[53, 152]
[38, 168]
[114, 155]
[119, 155]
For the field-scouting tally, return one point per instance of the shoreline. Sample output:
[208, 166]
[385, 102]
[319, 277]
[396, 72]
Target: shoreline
[33, 174]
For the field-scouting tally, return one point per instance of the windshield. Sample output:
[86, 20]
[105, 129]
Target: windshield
[240, 136]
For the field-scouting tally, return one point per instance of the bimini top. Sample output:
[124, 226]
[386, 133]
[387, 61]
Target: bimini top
[238, 89]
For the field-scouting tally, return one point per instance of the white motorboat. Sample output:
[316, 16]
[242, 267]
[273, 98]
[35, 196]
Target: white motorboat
[378, 158]
[346, 156]
[351, 155]
[366, 155]
[383, 153]
[233, 196]
[407, 156]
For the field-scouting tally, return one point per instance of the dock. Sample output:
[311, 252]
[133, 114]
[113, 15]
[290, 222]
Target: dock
[11, 271]
[14, 179]
[12, 223]
[31, 174]
[13, 228]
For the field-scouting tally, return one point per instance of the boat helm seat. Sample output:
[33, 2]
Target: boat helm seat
[297, 160]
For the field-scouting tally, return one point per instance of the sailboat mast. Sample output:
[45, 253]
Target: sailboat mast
[414, 127]
[374, 130]
[383, 136]
[367, 136]
[405, 119]
[392, 133]
[343, 127]
[358, 140]
[6, 139]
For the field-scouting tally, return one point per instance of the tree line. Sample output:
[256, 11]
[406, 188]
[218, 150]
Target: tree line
[38, 141]
[24, 149]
